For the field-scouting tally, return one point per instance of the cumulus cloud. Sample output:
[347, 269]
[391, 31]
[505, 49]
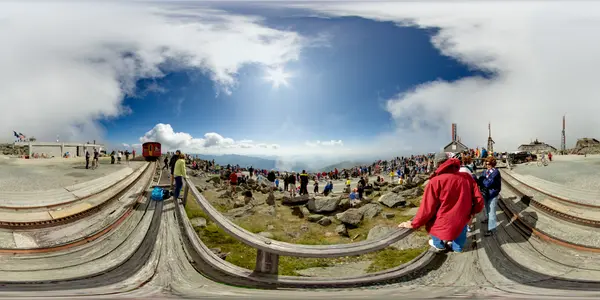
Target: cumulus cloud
[542, 55]
[211, 143]
[66, 65]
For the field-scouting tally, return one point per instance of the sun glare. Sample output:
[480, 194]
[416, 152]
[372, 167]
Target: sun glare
[277, 77]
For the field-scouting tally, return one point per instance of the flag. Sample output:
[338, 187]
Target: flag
[15, 133]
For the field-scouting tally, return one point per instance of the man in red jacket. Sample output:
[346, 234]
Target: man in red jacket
[450, 200]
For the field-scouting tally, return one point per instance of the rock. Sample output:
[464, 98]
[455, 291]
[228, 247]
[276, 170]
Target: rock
[298, 200]
[352, 216]
[271, 199]
[226, 194]
[239, 189]
[392, 200]
[344, 204]
[410, 242]
[323, 204]
[199, 188]
[410, 212]
[304, 227]
[296, 211]
[314, 218]
[425, 183]
[270, 227]
[240, 212]
[399, 188]
[217, 251]
[329, 234]
[370, 210]
[326, 221]
[305, 212]
[267, 210]
[266, 234]
[342, 230]
[251, 181]
[198, 222]
[388, 215]
[237, 204]
[416, 192]
[214, 179]
[247, 200]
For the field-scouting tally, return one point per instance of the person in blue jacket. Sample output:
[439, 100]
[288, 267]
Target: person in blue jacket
[490, 180]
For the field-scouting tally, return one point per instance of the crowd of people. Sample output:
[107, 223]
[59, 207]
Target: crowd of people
[456, 191]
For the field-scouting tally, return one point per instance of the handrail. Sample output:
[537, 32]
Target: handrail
[294, 250]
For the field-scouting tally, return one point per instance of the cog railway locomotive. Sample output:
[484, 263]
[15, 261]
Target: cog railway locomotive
[151, 151]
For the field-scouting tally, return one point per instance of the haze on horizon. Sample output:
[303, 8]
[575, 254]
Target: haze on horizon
[302, 81]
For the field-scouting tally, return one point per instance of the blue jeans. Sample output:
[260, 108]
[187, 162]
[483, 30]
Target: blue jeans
[457, 244]
[178, 186]
[490, 210]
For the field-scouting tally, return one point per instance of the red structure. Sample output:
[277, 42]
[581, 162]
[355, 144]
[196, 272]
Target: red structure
[454, 136]
[151, 151]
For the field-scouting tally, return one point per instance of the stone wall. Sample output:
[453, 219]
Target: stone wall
[11, 149]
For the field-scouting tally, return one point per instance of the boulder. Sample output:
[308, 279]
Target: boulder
[370, 210]
[298, 200]
[240, 212]
[314, 218]
[198, 222]
[388, 215]
[344, 204]
[271, 199]
[323, 204]
[237, 204]
[392, 200]
[325, 221]
[342, 230]
[352, 216]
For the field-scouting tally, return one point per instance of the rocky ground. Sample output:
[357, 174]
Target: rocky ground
[18, 174]
[575, 171]
[312, 219]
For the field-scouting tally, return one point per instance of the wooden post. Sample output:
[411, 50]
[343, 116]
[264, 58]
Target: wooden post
[186, 191]
[266, 262]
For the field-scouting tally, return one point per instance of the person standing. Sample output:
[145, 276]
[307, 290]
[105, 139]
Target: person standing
[179, 173]
[87, 159]
[450, 201]
[174, 160]
[304, 183]
[491, 180]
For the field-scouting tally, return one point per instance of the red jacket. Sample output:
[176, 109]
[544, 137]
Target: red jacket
[450, 199]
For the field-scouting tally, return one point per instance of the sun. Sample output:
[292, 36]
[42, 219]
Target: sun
[277, 77]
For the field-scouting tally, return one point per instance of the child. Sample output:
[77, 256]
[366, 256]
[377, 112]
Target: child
[316, 185]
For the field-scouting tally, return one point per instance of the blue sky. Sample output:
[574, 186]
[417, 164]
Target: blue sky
[360, 81]
[337, 90]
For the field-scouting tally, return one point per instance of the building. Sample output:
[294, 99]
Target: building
[537, 146]
[455, 146]
[586, 146]
[51, 149]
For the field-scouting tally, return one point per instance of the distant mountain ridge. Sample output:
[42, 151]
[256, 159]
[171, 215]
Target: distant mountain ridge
[271, 163]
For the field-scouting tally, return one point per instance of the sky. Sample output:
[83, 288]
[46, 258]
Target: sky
[300, 80]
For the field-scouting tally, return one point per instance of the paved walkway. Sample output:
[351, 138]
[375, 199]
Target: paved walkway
[576, 172]
[20, 175]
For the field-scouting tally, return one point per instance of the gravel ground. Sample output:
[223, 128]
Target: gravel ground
[574, 171]
[44, 174]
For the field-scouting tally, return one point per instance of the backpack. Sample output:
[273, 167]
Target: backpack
[157, 194]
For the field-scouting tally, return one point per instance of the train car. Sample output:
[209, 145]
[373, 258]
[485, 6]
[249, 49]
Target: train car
[151, 151]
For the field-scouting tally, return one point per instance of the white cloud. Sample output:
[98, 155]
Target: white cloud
[211, 143]
[67, 64]
[544, 56]
[331, 143]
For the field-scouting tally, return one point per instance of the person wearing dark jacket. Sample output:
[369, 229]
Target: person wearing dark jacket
[271, 178]
[292, 184]
[303, 183]
[492, 182]
[174, 159]
[450, 200]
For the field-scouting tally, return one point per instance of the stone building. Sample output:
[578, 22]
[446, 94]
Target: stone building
[51, 149]
[455, 146]
[587, 146]
[537, 147]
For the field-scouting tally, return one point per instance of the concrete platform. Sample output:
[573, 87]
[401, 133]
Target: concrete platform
[573, 171]
[25, 175]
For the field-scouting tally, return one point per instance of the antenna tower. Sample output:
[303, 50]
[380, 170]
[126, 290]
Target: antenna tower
[563, 143]
[490, 143]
